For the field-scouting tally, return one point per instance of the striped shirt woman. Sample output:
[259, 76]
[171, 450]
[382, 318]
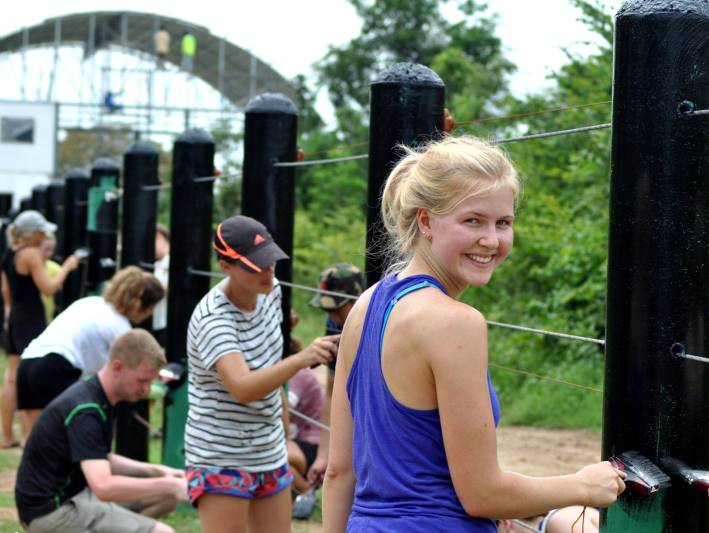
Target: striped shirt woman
[235, 445]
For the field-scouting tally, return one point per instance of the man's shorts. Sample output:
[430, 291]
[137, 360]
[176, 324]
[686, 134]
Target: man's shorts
[236, 482]
[85, 512]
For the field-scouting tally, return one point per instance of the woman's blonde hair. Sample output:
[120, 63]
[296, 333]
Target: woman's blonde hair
[15, 236]
[131, 291]
[437, 177]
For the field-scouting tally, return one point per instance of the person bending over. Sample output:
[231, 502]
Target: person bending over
[343, 278]
[70, 481]
[414, 411]
[77, 342]
[235, 446]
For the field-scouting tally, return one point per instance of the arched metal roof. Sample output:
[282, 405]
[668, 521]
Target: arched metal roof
[234, 72]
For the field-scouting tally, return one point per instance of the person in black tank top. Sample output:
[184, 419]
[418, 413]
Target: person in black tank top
[24, 278]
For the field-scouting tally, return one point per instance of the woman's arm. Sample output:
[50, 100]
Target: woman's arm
[31, 257]
[247, 386]
[458, 359]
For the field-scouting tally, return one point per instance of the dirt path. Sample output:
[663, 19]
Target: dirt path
[545, 452]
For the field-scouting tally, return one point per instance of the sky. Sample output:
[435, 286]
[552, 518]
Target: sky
[290, 35]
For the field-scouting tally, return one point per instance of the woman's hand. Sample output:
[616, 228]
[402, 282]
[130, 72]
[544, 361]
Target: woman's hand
[71, 262]
[319, 352]
[602, 483]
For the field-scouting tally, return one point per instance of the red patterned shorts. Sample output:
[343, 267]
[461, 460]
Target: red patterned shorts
[236, 482]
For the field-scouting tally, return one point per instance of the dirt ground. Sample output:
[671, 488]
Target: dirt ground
[546, 452]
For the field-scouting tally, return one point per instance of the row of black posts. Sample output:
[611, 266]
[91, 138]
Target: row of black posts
[658, 252]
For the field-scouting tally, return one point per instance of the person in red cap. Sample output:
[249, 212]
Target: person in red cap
[235, 446]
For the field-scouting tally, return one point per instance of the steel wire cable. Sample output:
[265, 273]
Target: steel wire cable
[548, 333]
[313, 162]
[477, 121]
[531, 113]
[542, 135]
[351, 297]
[308, 419]
[545, 378]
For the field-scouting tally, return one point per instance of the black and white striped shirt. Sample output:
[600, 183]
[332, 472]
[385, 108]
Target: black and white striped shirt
[221, 432]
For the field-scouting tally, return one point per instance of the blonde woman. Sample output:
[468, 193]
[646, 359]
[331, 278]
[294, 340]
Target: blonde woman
[414, 411]
[24, 281]
[76, 343]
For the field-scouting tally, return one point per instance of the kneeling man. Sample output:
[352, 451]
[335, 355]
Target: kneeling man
[68, 479]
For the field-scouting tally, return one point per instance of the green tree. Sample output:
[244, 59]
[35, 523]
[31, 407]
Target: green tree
[228, 144]
[555, 278]
[80, 148]
[466, 54]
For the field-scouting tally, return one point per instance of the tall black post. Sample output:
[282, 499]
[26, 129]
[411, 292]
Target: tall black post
[102, 223]
[76, 187]
[406, 107]
[39, 199]
[140, 178]
[55, 212]
[270, 134]
[5, 204]
[190, 248]
[658, 264]
[25, 204]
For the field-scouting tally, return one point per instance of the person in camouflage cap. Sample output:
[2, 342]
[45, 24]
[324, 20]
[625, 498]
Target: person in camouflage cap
[340, 277]
[347, 279]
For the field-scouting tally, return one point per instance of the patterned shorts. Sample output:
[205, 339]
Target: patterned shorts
[236, 482]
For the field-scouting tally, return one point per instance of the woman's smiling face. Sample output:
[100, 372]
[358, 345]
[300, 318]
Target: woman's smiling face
[474, 238]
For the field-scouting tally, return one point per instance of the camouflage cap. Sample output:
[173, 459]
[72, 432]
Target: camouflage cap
[340, 277]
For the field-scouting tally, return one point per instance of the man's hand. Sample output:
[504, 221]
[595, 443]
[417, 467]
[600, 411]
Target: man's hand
[180, 488]
[168, 471]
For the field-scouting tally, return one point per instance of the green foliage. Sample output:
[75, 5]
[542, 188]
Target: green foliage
[414, 31]
[227, 189]
[80, 148]
[555, 278]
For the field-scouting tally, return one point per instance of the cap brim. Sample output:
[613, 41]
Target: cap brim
[49, 227]
[266, 255]
[316, 300]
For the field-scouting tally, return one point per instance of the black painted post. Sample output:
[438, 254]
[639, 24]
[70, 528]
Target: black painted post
[55, 212]
[406, 107]
[39, 199]
[658, 262]
[102, 223]
[5, 204]
[190, 248]
[5, 208]
[139, 213]
[25, 204]
[270, 134]
[76, 187]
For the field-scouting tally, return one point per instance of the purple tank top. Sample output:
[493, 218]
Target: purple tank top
[403, 480]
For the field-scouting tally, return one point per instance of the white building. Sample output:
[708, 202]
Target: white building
[28, 146]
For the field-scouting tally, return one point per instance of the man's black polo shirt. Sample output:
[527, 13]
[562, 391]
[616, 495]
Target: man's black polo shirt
[75, 426]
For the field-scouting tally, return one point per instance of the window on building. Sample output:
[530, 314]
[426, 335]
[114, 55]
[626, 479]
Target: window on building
[16, 130]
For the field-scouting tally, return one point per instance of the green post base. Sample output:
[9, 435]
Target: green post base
[636, 513]
[173, 449]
